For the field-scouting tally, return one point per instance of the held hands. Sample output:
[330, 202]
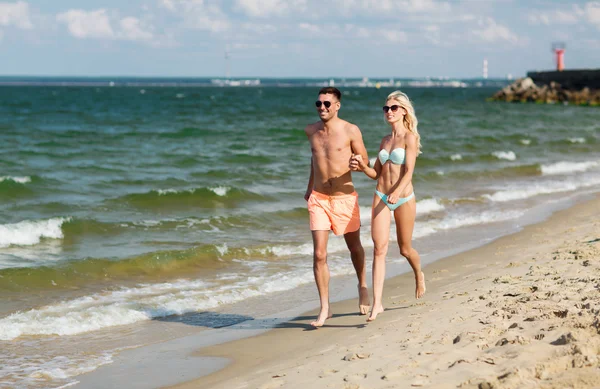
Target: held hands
[357, 163]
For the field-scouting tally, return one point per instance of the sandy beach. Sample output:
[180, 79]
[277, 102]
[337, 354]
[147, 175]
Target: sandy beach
[519, 312]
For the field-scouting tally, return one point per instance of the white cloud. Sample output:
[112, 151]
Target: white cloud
[394, 36]
[84, 24]
[199, 14]
[357, 31]
[132, 29]
[97, 24]
[397, 7]
[310, 28]
[558, 16]
[15, 14]
[259, 28]
[491, 32]
[168, 4]
[592, 12]
[266, 8]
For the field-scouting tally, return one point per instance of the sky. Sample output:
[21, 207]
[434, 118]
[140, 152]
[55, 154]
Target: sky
[295, 38]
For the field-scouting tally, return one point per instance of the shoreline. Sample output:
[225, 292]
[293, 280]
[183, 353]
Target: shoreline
[281, 356]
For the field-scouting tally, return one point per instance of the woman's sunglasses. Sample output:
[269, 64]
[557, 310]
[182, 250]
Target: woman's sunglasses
[394, 108]
[327, 104]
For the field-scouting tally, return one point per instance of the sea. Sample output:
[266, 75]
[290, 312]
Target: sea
[134, 211]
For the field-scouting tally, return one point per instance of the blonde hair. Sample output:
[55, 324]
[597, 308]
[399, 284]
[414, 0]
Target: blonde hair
[410, 119]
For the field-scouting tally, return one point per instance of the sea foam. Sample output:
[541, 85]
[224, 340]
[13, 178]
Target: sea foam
[20, 180]
[567, 167]
[507, 155]
[27, 233]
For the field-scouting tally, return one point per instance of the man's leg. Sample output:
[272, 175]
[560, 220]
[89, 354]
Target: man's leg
[357, 253]
[321, 271]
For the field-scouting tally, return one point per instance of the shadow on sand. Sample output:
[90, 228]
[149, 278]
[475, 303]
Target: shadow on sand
[221, 320]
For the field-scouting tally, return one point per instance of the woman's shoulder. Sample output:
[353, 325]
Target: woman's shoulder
[410, 139]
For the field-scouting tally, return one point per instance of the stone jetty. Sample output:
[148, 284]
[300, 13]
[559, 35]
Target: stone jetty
[576, 87]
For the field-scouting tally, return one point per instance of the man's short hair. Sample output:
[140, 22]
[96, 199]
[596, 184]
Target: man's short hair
[331, 90]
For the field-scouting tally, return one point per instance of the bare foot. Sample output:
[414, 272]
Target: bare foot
[374, 312]
[420, 289]
[323, 315]
[363, 300]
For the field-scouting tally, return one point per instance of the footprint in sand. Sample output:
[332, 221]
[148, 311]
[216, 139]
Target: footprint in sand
[355, 377]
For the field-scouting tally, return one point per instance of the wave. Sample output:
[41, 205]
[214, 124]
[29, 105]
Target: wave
[507, 155]
[207, 197]
[427, 206]
[129, 305]
[458, 220]
[28, 233]
[567, 167]
[19, 180]
[531, 190]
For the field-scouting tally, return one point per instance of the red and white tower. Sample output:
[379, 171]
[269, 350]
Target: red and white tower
[559, 51]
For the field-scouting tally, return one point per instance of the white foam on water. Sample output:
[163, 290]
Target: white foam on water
[507, 155]
[20, 180]
[577, 140]
[568, 167]
[458, 220]
[288, 250]
[526, 142]
[222, 249]
[531, 190]
[428, 206]
[365, 214]
[220, 190]
[163, 192]
[147, 301]
[28, 233]
[456, 157]
[37, 370]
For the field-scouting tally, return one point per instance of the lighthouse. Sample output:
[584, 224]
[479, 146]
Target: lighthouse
[559, 52]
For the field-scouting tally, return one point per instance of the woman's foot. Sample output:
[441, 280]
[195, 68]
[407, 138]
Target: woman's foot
[374, 312]
[420, 289]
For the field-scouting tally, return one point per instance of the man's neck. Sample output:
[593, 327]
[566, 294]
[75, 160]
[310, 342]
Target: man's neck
[328, 125]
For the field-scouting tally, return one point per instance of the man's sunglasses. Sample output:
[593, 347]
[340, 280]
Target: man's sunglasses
[394, 108]
[327, 104]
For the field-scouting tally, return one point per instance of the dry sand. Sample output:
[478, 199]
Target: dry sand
[520, 312]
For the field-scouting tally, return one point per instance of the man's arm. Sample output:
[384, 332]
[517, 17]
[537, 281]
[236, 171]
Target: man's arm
[357, 163]
[311, 180]
[357, 144]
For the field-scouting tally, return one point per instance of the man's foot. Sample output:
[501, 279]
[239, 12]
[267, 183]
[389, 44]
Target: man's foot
[420, 289]
[363, 300]
[374, 312]
[323, 315]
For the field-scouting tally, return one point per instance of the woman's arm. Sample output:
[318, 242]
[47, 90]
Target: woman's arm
[358, 163]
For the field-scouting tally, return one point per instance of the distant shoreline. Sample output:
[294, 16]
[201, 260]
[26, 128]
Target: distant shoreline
[436, 82]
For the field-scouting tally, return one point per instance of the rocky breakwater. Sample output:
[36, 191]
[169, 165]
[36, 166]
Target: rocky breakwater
[526, 90]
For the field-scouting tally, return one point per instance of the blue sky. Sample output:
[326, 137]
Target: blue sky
[294, 38]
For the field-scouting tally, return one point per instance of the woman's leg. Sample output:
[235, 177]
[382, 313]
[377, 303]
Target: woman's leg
[405, 222]
[380, 232]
